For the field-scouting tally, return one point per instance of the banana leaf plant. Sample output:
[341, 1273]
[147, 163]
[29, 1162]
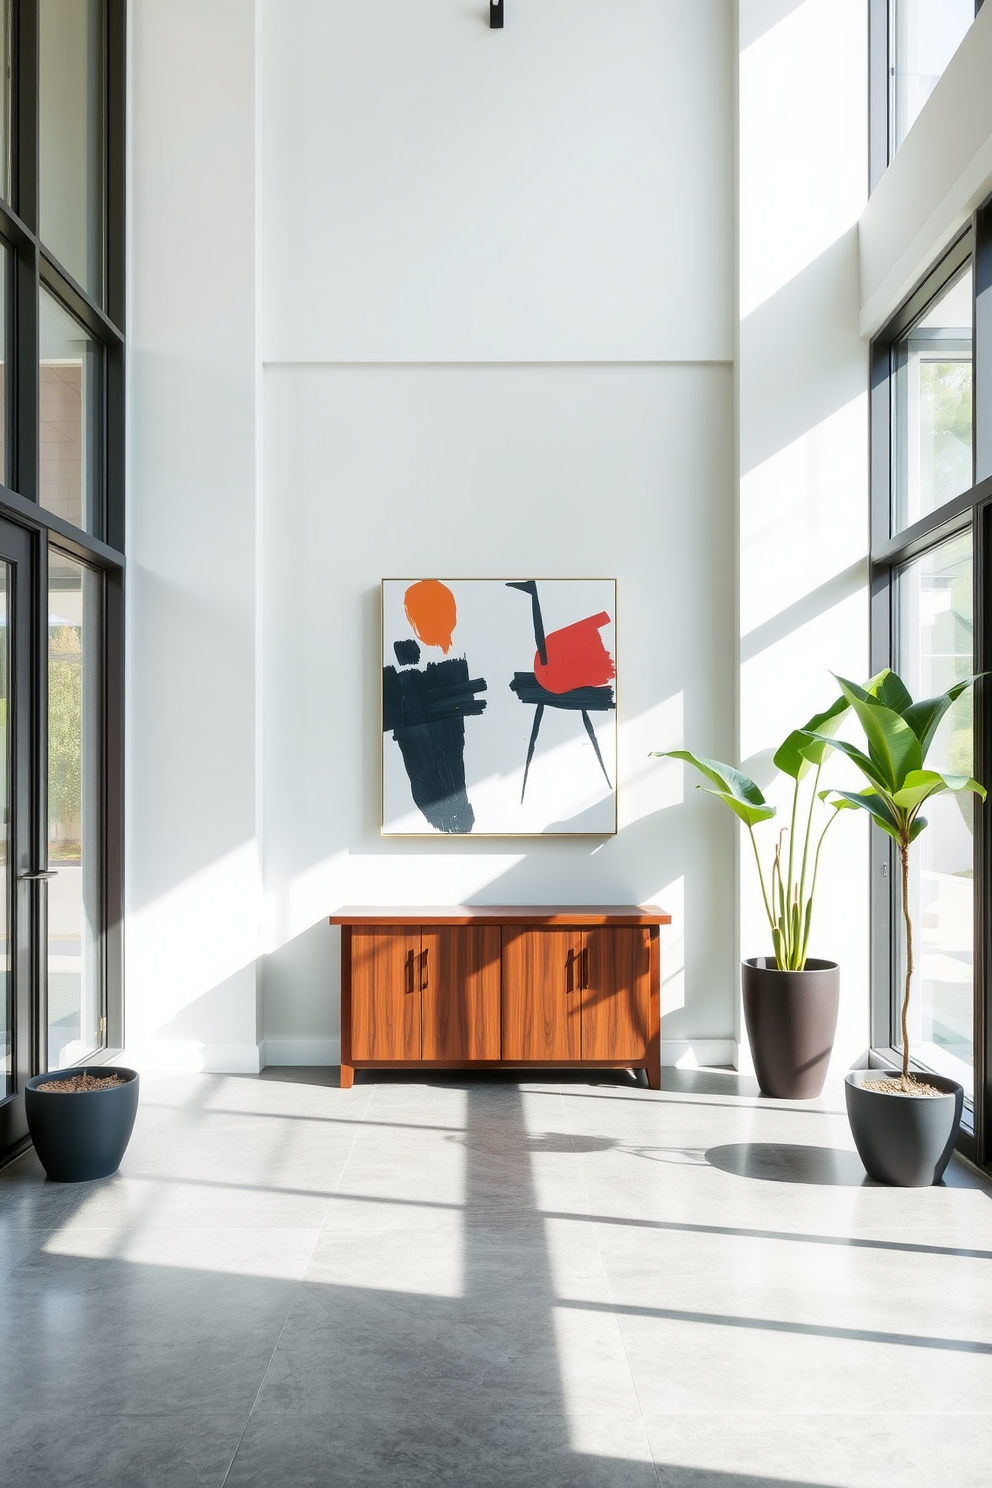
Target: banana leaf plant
[899, 733]
[788, 892]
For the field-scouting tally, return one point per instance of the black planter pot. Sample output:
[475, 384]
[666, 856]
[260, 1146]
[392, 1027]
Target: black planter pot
[81, 1134]
[791, 1019]
[905, 1140]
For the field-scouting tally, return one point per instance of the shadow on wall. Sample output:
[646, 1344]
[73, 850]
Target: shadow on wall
[760, 16]
[803, 356]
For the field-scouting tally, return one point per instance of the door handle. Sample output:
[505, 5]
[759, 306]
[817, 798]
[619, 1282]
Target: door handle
[570, 972]
[585, 967]
[41, 877]
[423, 971]
[409, 972]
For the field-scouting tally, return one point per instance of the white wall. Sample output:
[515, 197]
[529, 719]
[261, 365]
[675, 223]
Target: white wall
[559, 190]
[497, 331]
[803, 431]
[620, 471]
[490, 324]
[191, 850]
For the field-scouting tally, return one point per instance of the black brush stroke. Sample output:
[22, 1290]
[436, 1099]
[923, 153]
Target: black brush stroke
[441, 690]
[426, 712]
[407, 652]
[529, 586]
[577, 699]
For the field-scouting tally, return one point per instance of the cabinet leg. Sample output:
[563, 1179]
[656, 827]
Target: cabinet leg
[653, 1069]
[347, 1076]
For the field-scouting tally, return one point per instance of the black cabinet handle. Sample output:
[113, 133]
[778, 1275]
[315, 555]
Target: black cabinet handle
[585, 966]
[570, 972]
[423, 971]
[409, 971]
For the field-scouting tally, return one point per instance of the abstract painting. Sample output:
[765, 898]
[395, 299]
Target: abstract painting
[498, 707]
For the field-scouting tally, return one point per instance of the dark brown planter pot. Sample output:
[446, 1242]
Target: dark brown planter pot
[791, 1019]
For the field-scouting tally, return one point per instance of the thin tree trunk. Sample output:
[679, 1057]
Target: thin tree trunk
[904, 852]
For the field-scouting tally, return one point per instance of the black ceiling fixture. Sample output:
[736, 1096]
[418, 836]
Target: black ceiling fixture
[495, 15]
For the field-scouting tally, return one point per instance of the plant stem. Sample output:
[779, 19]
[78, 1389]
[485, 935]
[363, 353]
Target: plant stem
[816, 869]
[792, 846]
[904, 854]
[761, 879]
[809, 828]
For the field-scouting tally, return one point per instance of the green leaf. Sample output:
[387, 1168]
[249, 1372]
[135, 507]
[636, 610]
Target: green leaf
[918, 826]
[864, 764]
[749, 815]
[920, 784]
[733, 787]
[797, 753]
[924, 717]
[868, 801]
[893, 747]
[890, 690]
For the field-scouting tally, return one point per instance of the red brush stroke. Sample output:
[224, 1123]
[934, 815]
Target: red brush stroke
[576, 657]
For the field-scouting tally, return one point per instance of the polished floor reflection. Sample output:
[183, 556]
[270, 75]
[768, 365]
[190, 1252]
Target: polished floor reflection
[483, 1282]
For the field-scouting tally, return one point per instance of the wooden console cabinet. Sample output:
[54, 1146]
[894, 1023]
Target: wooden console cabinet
[502, 987]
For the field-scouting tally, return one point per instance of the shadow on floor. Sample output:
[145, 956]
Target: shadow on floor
[780, 1162]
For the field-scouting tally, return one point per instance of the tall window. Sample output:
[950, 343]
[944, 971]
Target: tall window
[930, 524]
[62, 81]
[912, 41]
[926, 34]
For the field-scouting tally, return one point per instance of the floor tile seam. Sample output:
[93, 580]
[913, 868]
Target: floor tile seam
[295, 1298]
[335, 1187]
[613, 1314]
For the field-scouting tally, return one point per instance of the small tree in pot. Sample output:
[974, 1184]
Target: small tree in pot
[904, 1129]
[790, 1000]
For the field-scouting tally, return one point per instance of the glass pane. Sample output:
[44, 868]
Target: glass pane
[6, 94]
[935, 650]
[933, 406]
[927, 34]
[4, 474]
[70, 145]
[74, 981]
[70, 413]
[6, 979]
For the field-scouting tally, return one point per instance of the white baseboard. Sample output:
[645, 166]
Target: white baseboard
[300, 1051]
[175, 1056]
[697, 1053]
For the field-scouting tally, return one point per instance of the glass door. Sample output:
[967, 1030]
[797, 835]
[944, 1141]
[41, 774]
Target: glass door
[23, 871]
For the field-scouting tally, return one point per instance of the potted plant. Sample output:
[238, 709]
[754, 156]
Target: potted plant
[790, 998]
[81, 1119]
[904, 1128]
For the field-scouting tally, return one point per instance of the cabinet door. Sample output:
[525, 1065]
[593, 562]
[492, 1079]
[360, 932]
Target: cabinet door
[385, 993]
[459, 992]
[616, 993]
[541, 993]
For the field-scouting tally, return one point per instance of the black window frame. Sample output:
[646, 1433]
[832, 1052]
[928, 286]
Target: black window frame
[33, 266]
[970, 511]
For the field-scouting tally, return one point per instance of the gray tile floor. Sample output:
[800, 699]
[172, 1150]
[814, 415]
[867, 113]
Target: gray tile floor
[483, 1282]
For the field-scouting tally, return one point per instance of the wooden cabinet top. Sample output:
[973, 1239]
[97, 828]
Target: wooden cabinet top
[504, 914]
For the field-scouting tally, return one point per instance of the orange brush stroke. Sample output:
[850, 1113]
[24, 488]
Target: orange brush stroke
[430, 609]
